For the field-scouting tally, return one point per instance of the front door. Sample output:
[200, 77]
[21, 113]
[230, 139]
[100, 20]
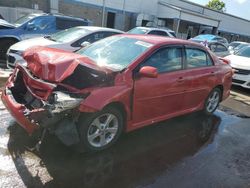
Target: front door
[157, 98]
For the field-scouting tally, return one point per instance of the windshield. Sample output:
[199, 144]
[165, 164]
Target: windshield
[23, 19]
[138, 31]
[115, 52]
[69, 35]
[172, 33]
[240, 46]
[234, 44]
[245, 52]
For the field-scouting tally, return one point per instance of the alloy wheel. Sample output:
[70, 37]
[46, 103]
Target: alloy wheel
[213, 101]
[102, 130]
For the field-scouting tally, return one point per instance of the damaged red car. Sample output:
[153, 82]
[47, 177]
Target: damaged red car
[115, 85]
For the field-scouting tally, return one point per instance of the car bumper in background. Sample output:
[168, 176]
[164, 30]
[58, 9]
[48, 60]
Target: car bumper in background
[241, 80]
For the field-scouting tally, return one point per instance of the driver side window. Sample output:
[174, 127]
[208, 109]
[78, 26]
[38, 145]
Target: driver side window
[40, 24]
[166, 60]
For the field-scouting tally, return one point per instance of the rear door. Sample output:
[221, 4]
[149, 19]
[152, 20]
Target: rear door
[157, 98]
[200, 77]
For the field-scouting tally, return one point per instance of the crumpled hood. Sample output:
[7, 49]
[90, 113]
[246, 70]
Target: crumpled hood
[25, 44]
[239, 62]
[55, 65]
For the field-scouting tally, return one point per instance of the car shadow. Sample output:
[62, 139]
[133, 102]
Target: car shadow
[241, 90]
[137, 159]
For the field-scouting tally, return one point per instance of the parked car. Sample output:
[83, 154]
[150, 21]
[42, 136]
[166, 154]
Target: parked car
[70, 40]
[240, 62]
[233, 45]
[219, 49]
[237, 48]
[34, 25]
[120, 83]
[210, 38]
[152, 31]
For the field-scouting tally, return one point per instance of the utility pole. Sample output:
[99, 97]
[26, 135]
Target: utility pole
[103, 12]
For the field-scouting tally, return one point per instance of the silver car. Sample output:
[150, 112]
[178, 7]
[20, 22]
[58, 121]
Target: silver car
[153, 31]
[69, 40]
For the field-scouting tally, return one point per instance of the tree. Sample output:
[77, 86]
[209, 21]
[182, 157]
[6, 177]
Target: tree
[217, 5]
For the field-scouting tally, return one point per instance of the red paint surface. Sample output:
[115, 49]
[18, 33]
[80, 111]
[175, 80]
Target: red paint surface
[145, 100]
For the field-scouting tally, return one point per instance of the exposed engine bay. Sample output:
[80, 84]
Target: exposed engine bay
[54, 106]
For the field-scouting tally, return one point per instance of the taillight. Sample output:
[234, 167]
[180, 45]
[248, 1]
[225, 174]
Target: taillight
[224, 60]
[233, 71]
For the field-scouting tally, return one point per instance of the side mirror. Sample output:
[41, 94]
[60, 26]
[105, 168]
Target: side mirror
[30, 26]
[84, 44]
[148, 72]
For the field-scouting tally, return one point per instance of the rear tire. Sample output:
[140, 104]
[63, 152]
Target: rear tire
[100, 130]
[212, 101]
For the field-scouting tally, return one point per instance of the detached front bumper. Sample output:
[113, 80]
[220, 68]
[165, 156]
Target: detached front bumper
[17, 111]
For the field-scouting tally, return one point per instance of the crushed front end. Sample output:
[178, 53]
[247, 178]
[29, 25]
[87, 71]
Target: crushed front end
[48, 91]
[36, 104]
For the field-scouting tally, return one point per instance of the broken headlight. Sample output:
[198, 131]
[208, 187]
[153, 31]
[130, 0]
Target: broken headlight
[63, 101]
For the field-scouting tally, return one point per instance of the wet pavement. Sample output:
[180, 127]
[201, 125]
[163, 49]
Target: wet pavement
[194, 150]
[189, 151]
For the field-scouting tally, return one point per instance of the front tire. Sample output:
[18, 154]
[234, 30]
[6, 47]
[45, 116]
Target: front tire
[100, 130]
[212, 101]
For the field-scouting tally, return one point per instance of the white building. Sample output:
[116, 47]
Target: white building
[186, 18]
[183, 16]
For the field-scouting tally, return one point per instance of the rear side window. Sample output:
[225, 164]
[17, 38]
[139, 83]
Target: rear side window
[220, 48]
[166, 60]
[161, 33]
[197, 58]
[41, 23]
[93, 37]
[62, 23]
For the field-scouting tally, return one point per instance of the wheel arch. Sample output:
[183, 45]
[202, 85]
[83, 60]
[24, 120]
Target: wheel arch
[221, 88]
[119, 106]
[13, 38]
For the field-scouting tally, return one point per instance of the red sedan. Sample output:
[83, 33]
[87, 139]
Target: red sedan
[118, 84]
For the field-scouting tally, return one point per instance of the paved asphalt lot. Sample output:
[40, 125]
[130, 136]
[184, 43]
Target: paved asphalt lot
[194, 150]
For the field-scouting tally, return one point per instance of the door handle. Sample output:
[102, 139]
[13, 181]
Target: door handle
[212, 73]
[180, 79]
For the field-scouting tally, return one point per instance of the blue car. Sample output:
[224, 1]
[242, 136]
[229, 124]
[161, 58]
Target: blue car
[34, 25]
[210, 38]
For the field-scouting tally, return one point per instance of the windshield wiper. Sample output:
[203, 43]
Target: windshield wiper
[49, 37]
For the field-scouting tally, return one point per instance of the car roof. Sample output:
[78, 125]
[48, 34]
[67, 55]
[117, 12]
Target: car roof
[155, 28]
[161, 40]
[95, 28]
[206, 36]
[58, 15]
[238, 42]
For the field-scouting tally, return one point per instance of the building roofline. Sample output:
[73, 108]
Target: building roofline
[202, 6]
[186, 11]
